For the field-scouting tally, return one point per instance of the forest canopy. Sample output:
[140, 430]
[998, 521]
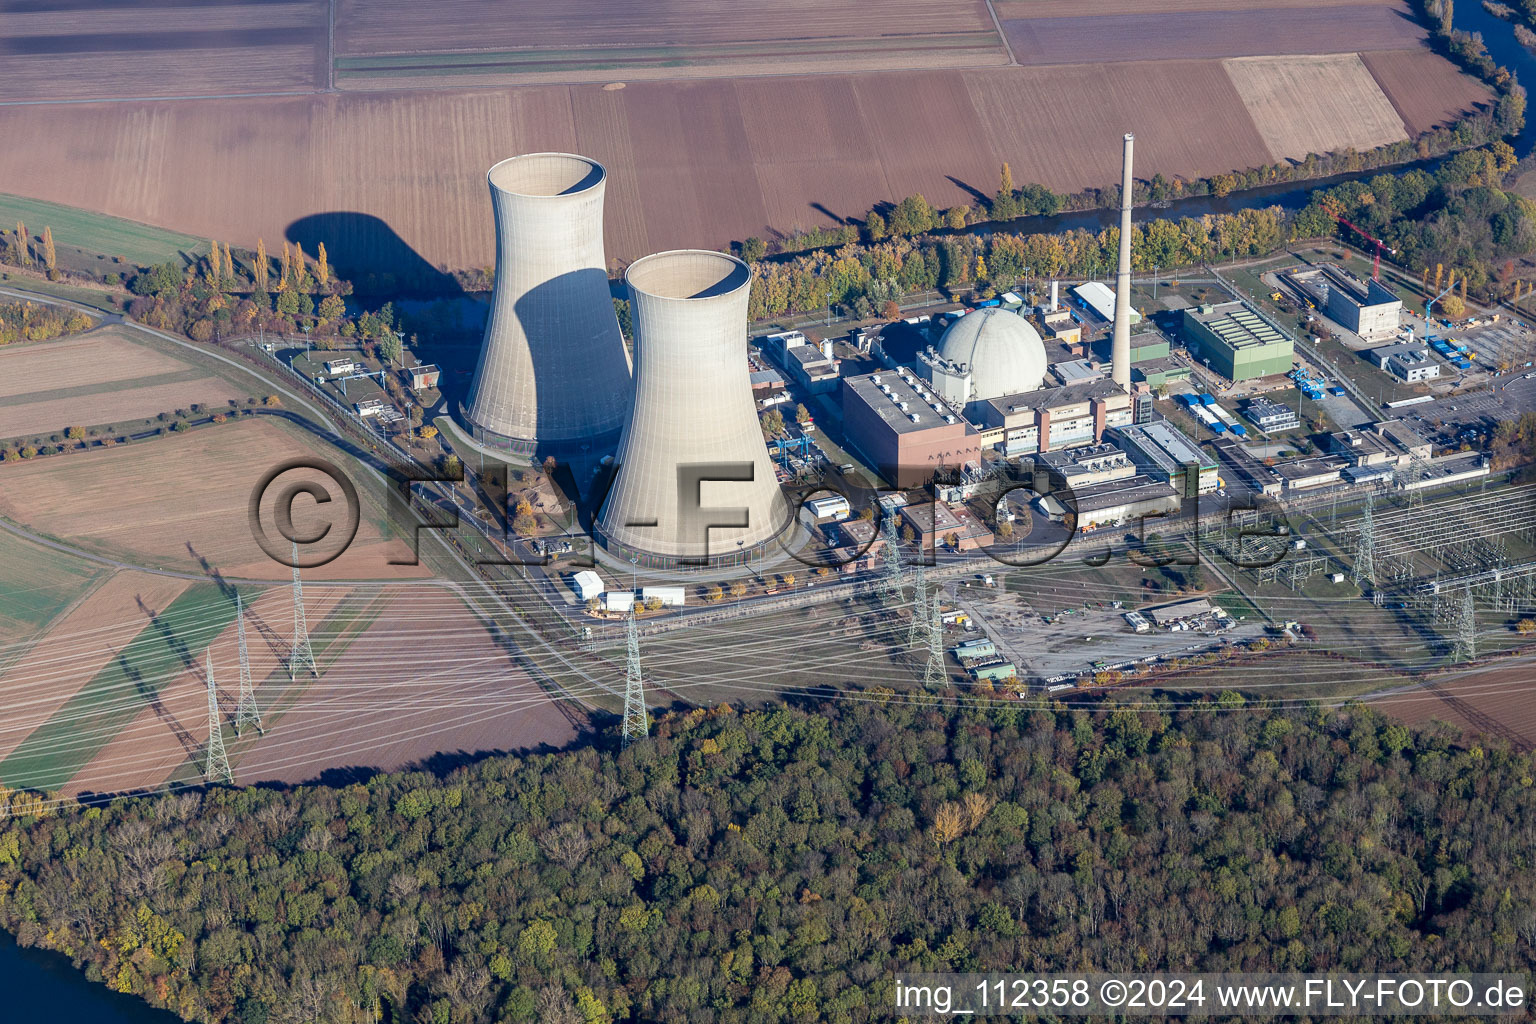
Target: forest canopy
[781, 865]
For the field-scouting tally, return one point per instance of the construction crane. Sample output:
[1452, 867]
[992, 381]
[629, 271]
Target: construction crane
[1380, 245]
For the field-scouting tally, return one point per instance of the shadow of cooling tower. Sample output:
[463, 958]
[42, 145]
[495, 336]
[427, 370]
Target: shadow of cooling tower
[365, 250]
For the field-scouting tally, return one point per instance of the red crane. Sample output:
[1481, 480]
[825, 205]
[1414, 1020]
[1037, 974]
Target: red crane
[1380, 245]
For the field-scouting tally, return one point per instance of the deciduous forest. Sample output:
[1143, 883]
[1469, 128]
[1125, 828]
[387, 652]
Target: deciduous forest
[781, 865]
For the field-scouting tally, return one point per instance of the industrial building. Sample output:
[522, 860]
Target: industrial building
[1114, 503]
[587, 585]
[425, 377]
[1409, 363]
[1162, 452]
[553, 375]
[1075, 371]
[1248, 469]
[937, 524]
[815, 367]
[1302, 474]
[1362, 448]
[904, 430]
[1270, 416]
[1405, 437]
[1145, 347]
[693, 413]
[1052, 418]
[1158, 373]
[1100, 298]
[1094, 464]
[1237, 341]
[1367, 308]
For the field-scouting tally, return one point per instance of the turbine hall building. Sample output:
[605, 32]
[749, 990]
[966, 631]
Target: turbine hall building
[1237, 341]
[553, 376]
[693, 484]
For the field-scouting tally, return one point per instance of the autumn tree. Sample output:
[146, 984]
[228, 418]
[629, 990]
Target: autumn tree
[322, 267]
[50, 255]
[260, 269]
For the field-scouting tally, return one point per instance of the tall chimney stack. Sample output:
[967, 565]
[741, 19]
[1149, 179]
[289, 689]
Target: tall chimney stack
[1053, 296]
[1120, 350]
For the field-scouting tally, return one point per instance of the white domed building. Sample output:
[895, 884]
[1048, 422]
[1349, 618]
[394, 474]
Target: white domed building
[999, 350]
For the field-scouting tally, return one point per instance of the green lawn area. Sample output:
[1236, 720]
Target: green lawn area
[88, 721]
[35, 585]
[96, 232]
[95, 298]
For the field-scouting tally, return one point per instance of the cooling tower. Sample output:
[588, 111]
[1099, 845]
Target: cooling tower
[1120, 350]
[553, 376]
[694, 484]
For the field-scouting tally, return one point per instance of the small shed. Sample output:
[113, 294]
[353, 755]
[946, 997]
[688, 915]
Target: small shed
[587, 584]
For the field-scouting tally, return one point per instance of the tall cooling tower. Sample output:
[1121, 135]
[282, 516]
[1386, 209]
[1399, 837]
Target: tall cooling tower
[694, 482]
[1120, 348]
[553, 376]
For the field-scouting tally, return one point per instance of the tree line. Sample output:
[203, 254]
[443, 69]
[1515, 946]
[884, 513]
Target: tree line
[30, 321]
[784, 864]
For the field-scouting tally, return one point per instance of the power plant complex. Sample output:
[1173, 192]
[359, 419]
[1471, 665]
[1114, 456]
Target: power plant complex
[692, 481]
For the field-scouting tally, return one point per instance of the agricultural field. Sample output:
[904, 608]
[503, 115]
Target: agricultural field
[1234, 30]
[107, 51]
[1422, 86]
[691, 163]
[38, 585]
[1315, 104]
[1495, 700]
[97, 233]
[101, 377]
[181, 502]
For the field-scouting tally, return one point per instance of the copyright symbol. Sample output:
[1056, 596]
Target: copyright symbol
[1112, 992]
[322, 531]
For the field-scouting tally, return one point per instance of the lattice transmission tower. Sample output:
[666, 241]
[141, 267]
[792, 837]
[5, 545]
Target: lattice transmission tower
[637, 723]
[246, 712]
[919, 622]
[302, 653]
[1365, 552]
[933, 672]
[216, 764]
[1466, 630]
[891, 581]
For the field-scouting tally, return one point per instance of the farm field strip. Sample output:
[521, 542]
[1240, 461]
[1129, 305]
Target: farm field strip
[98, 232]
[37, 586]
[1315, 104]
[1096, 8]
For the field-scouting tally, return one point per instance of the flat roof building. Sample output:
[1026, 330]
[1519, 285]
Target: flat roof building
[1093, 464]
[1114, 503]
[1301, 474]
[424, 377]
[1237, 341]
[903, 435]
[1405, 437]
[1054, 418]
[1365, 448]
[1368, 308]
[936, 523]
[1270, 416]
[1250, 470]
[1161, 451]
[587, 584]
[1409, 363]
[814, 367]
[1157, 373]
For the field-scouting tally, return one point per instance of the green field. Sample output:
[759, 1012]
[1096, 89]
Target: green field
[97, 232]
[88, 721]
[35, 585]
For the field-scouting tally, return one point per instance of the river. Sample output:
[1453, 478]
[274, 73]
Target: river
[43, 986]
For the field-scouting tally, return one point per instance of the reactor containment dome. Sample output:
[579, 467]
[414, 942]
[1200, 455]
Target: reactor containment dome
[693, 483]
[1003, 352]
[553, 375]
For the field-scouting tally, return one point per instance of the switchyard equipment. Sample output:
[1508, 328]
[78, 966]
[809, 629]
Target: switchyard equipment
[553, 375]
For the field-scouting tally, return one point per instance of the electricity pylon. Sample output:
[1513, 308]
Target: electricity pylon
[890, 583]
[1466, 630]
[1365, 552]
[246, 710]
[636, 723]
[302, 653]
[934, 672]
[919, 602]
[216, 765]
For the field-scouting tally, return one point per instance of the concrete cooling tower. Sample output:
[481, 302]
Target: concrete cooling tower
[553, 376]
[693, 423]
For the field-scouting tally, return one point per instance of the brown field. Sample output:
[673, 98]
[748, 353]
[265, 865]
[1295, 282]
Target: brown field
[405, 26]
[1236, 31]
[1423, 86]
[1315, 104]
[175, 501]
[76, 647]
[1094, 8]
[97, 378]
[1498, 702]
[392, 698]
[113, 51]
[715, 160]
[174, 727]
